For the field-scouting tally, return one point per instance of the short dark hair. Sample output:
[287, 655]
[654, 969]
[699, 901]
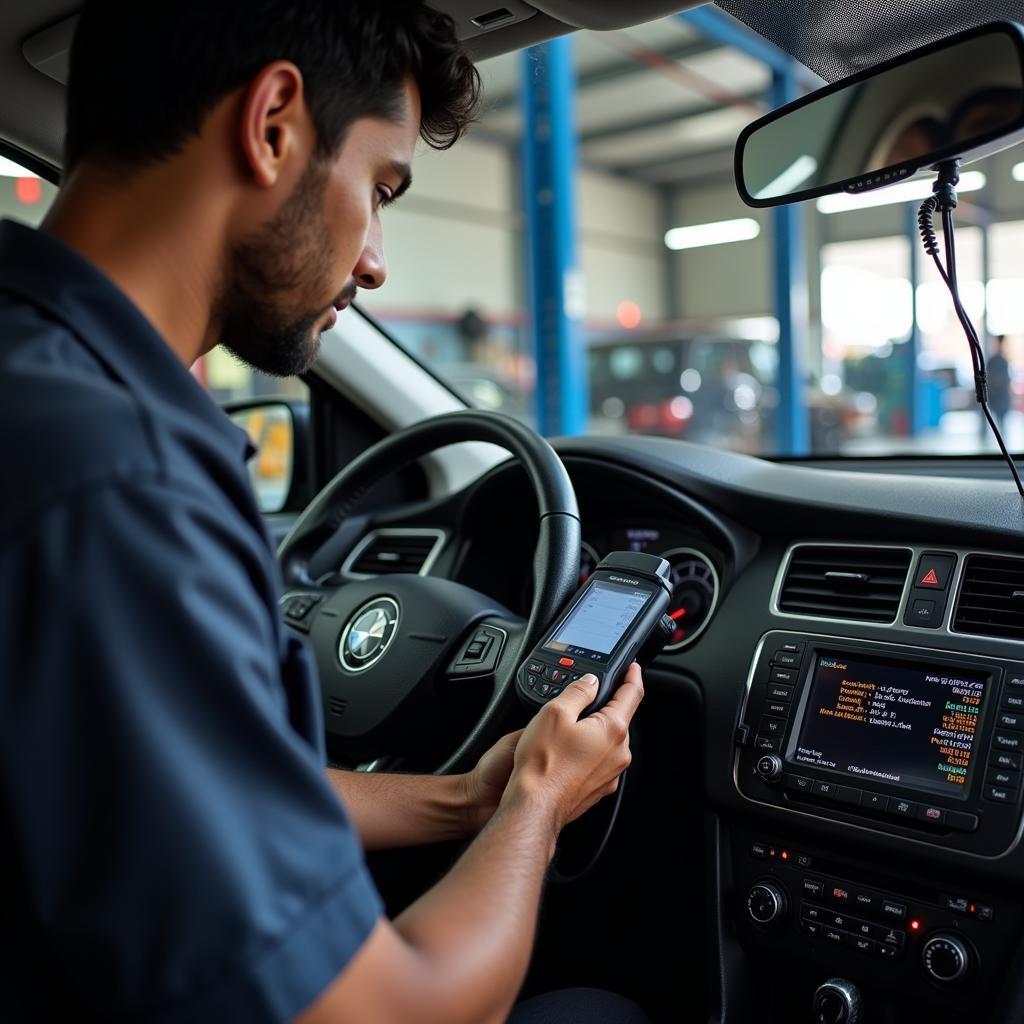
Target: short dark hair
[144, 74]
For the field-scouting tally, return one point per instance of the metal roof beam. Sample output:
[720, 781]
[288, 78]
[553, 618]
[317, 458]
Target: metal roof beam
[611, 72]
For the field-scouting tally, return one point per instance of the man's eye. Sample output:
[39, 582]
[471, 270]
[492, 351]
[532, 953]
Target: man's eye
[385, 197]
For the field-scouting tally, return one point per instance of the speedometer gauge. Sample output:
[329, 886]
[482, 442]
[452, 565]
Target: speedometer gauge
[694, 594]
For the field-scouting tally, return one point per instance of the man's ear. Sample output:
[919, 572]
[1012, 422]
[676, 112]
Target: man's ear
[275, 125]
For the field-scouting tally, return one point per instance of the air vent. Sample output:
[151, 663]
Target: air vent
[991, 601]
[865, 584]
[336, 706]
[386, 552]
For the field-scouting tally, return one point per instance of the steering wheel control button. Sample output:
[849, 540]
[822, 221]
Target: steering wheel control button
[296, 609]
[479, 656]
[368, 634]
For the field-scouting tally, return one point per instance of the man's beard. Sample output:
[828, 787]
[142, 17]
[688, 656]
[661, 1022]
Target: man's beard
[289, 256]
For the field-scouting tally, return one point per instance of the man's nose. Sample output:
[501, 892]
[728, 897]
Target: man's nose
[372, 270]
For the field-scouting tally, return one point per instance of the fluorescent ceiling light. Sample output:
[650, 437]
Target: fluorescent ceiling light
[718, 233]
[1018, 172]
[790, 179]
[9, 169]
[904, 192]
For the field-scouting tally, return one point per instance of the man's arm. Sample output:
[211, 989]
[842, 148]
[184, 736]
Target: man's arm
[460, 953]
[390, 810]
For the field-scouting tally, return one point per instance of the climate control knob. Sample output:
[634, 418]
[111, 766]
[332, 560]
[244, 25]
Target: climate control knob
[766, 903]
[769, 768]
[946, 958]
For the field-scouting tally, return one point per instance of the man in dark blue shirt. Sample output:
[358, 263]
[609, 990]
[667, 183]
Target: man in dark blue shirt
[174, 848]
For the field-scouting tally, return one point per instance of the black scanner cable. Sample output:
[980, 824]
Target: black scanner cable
[944, 200]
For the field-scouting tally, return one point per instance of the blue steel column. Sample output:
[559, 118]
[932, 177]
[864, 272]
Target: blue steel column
[916, 418]
[792, 422]
[549, 162]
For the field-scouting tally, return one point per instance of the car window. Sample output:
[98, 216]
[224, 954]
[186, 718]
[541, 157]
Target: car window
[684, 342]
[26, 197]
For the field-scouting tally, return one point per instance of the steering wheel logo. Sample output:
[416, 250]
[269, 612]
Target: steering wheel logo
[368, 635]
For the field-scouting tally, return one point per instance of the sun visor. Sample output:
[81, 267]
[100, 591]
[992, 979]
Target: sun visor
[49, 51]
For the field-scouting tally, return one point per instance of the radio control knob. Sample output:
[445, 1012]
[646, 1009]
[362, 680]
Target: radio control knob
[766, 903]
[769, 768]
[838, 1001]
[946, 958]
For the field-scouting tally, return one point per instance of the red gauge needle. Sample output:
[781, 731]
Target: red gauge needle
[677, 615]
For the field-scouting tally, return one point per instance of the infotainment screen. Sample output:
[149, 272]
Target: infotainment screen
[895, 722]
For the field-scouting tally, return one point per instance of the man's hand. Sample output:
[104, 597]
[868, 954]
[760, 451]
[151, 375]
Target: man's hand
[486, 783]
[569, 762]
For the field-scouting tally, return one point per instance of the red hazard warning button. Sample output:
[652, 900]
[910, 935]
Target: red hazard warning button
[934, 570]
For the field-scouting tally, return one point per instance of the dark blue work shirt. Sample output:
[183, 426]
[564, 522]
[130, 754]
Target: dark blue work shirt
[170, 849]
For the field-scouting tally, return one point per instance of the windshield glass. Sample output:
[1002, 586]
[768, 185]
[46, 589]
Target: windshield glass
[679, 330]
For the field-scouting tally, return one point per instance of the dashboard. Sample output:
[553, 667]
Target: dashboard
[839, 716]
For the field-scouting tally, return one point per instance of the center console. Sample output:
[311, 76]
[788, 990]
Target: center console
[888, 741]
[888, 737]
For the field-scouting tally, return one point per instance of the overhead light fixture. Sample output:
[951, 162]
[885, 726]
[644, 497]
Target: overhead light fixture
[717, 233]
[904, 192]
[790, 179]
[9, 169]
[1018, 172]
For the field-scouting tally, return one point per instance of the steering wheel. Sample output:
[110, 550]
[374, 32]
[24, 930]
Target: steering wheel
[385, 647]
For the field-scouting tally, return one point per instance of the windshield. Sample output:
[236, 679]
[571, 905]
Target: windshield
[679, 330]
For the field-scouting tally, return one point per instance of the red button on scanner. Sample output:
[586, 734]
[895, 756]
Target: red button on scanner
[567, 662]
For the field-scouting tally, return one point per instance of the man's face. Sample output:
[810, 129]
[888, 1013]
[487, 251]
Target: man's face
[286, 282]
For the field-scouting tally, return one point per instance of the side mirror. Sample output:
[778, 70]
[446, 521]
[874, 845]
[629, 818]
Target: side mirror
[278, 430]
[960, 98]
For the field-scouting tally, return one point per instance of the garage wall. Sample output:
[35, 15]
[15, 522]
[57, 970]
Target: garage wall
[455, 241]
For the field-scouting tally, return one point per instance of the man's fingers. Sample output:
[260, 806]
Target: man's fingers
[626, 699]
[579, 695]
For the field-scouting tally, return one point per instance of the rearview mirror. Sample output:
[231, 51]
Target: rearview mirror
[277, 431]
[960, 98]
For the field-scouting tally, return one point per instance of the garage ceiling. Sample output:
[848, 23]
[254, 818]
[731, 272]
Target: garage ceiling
[657, 103]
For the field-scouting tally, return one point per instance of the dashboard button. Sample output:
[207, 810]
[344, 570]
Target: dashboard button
[839, 894]
[780, 692]
[783, 675]
[793, 647]
[847, 795]
[832, 935]
[825, 789]
[778, 707]
[1010, 720]
[812, 928]
[1015, 680]
[924, 612]
[866, 901]
[786, 659]
[902, 808]
[888, 952]
[862, 945]
[1013, 700]
[767, 744]
[956, 904]
[983, 912]
[1001, 760]
[809, 912]
[813, 887]
[874, 802]
[1000, 794]
[931, 814]
[1002, 777]
[962, 821]
[1008, 741]
[759, 850]
[934, 570]
[798, 783]
[893, 910]
[772, 727]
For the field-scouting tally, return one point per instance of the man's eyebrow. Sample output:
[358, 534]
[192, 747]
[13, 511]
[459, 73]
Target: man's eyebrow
[403, 171]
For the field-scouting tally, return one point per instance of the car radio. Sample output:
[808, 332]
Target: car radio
[904, 739]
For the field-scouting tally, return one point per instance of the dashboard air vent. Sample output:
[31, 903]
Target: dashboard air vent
[991, 601]
[845, 582]
[387, 552]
